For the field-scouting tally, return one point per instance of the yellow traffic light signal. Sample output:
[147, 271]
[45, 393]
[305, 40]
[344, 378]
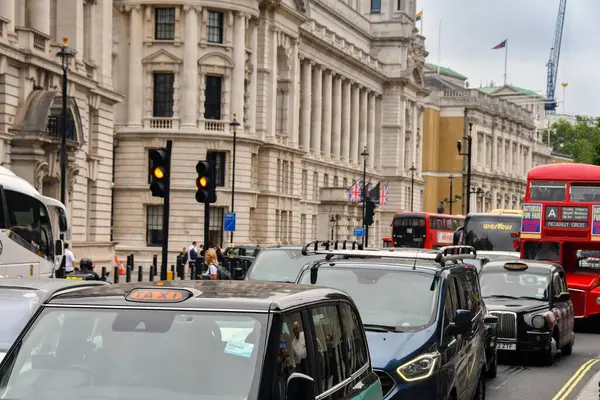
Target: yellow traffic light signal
[205, 182]
[159, 173]
[159, 167]
[201, 182]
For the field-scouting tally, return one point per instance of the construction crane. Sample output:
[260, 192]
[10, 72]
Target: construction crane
[550, 104]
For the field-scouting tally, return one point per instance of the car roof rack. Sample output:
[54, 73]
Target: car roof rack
[331, 248]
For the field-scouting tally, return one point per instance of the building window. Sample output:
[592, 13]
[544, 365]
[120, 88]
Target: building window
[164, 23]
[218, 157]
[281, 112]
[314, 233]
[214, 27]
[212, 97]
[398, 5]
[154, 232]
[303, 228]
[215, 227]
[375, 6]
[315, 186]
[304, 184]
[163, 94]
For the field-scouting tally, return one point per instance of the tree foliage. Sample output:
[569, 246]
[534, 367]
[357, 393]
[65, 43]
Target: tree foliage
[580, 140]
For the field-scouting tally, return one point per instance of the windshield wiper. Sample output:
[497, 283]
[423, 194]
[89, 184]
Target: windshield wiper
[380, 328]
[500, 296]
[531, 298]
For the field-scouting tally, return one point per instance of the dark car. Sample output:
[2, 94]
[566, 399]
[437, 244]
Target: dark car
[533, 306]
[200, 340]
[426, 324]
[20, 298]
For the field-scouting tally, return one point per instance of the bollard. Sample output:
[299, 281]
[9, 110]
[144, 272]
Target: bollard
[169, 275]
[151, 275]
[163, 272]
[173, 270]
[178, 265]
[140, 273]
[155, 264]
[128, 274]
[116, 277]
[103, 272]
[193, 273]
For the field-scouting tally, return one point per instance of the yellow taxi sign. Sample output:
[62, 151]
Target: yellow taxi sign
[515, 266]
[74, 278]
[158, 295]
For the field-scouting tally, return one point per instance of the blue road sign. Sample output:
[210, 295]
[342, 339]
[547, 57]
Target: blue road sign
[359, 232]
[229, 222]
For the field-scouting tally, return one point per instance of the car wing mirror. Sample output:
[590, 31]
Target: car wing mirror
[462, 323]
[563, 296]
[300, 387]
[314, 272]
[58, 247]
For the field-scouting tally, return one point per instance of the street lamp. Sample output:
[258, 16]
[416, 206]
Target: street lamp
[65, 54]
[453, 198]
[233, 124]
[332, 225]
[459, 145]
[365, 156]
[412, 170]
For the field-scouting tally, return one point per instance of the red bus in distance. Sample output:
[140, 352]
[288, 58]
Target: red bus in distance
[424, 230]
[561, 222]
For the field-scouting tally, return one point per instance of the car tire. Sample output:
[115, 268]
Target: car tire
[568, 349]
[550, 354]
[493, 369]
[480, 393]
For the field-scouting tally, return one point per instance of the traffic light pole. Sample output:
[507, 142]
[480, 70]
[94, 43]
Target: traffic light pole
[206, 225]
[166, 208]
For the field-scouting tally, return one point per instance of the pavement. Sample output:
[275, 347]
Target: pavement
[591, 391]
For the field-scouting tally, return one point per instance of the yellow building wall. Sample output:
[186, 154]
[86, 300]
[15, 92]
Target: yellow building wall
[440, 157]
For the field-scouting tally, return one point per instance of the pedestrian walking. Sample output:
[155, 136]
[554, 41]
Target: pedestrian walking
[69, 260]
[211, 261]
[192, 254]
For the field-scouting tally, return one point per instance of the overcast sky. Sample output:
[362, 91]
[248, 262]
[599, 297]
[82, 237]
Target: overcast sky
[470, 28]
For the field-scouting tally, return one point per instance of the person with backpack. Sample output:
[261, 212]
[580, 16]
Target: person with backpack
[210, 257]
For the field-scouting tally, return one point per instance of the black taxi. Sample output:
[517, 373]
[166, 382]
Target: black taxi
[533, 306]
[193, 340]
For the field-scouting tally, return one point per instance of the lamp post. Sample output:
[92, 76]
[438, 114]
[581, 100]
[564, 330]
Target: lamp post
[233, 124]
[65, 54]
[459, 144]
[412, 170]
[453, 198]
[365, 156]
[332, 224]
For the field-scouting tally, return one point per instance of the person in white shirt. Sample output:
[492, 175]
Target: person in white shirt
[211, 260]
[298, 344]
[69, 259]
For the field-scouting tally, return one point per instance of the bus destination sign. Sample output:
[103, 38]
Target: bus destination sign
[566, 217]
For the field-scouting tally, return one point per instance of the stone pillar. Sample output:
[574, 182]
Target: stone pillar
[306, 104]
[371, 131]
[355, 148]
[326, 128]
[190, 69]
[7, 10]
[135, 99]
[38, 13]
[378, 121]
[293, 96]
[336, 128]
[317, 110]
[252, 86]
[346, 118]
[362, 127]
[239, 65]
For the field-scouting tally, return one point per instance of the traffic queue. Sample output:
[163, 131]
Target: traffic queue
[329, 319]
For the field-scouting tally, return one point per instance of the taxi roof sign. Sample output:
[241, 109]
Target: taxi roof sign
[515, 266]
[158, 295]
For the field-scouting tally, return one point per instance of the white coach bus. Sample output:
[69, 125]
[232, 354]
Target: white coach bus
[30, 227]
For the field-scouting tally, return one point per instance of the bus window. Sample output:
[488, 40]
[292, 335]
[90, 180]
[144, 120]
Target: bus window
[548, 251]
[29, 220]
[585, 193]
[409, 231]
[547, 191]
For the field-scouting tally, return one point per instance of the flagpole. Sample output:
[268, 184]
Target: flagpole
[439, 47]
[505, 61]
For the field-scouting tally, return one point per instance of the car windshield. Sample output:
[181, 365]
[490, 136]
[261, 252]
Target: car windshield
[133, 354]
[515, 284]
[16, 307]
[279, 265]
[384, 297]
[492, 233]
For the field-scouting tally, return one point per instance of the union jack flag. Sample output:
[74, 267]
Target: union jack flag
[384, 195]
[355, 191]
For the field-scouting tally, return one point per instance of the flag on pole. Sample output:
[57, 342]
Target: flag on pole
[500, 46]
[355, 191]
[384, 194]
[419, 16]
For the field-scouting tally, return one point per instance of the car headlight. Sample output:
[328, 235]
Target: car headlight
[419, 368]
[538, 321]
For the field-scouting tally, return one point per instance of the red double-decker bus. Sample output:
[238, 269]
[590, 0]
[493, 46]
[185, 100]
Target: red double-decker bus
[561, 222]
[424, 230]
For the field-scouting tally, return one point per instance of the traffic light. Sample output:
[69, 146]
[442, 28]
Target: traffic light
[159, 171]
[369, 212]
[206, 182]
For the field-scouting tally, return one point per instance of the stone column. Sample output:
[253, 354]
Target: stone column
[336, 128]
[239, 64]
[7, 10]
[378, 121]
[135, 99]
[190, 69]
[371, 131]
[346, 119]
[306, 104]
[362, 126]
[317, 110]
[38, 13]
[293, 96]
[252, 86]
[415, 135]
[326, 128]
[355, 148]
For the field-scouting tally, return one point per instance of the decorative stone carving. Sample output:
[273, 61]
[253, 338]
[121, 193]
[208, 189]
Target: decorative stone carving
[72, 176]
[40, 172]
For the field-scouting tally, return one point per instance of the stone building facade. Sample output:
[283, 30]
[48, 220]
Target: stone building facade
[311, 83]
[31, 33]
